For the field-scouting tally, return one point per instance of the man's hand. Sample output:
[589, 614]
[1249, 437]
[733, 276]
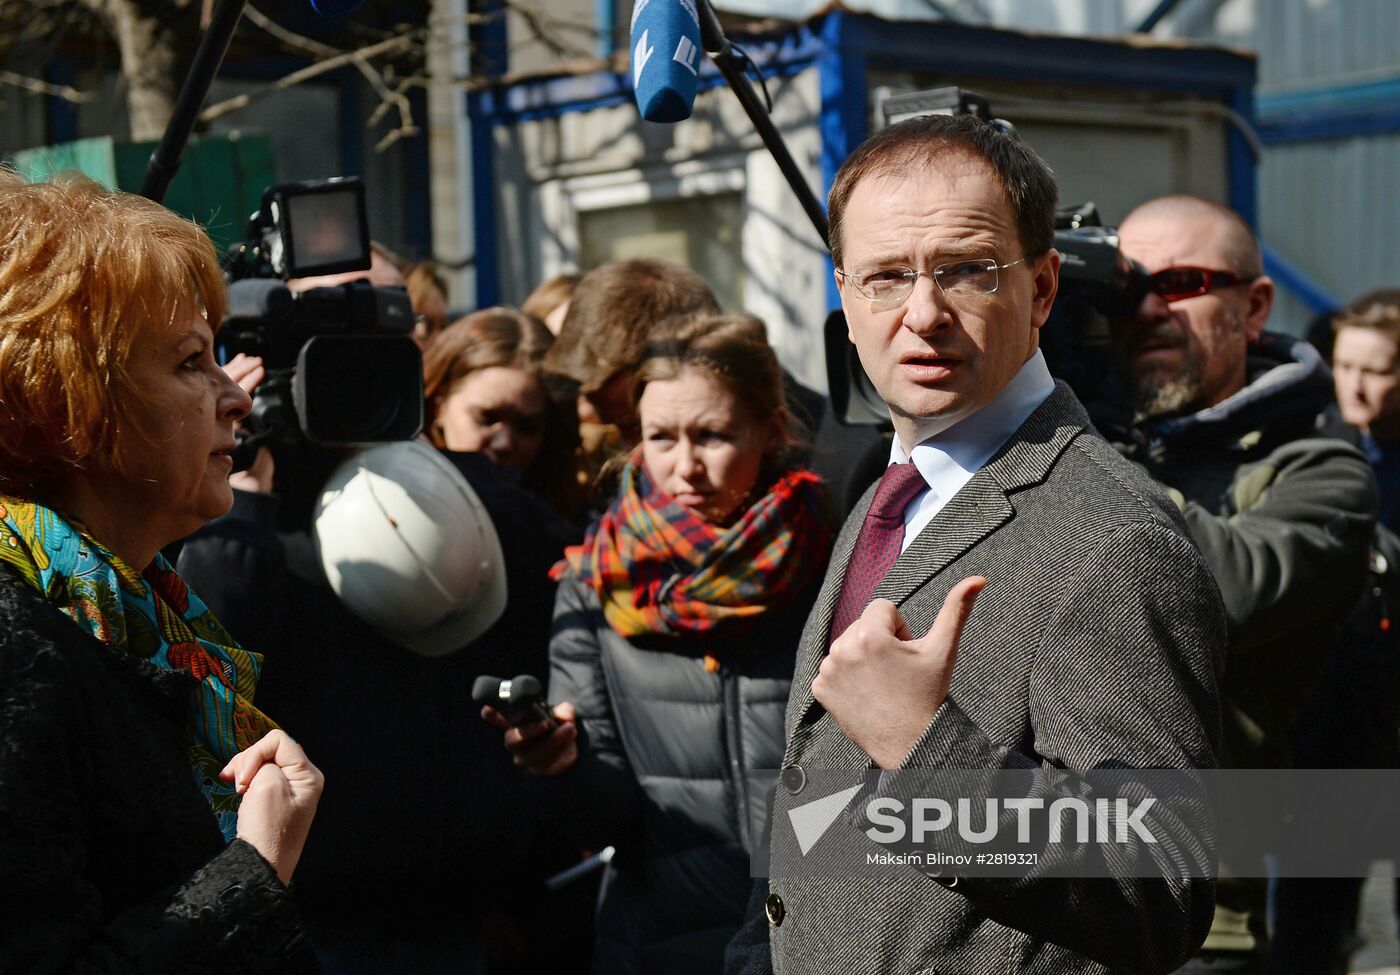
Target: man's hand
[280, 789]
[882, 686]
[536, 747]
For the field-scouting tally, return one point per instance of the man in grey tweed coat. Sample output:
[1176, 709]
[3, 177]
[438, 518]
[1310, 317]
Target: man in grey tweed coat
[1094, 642]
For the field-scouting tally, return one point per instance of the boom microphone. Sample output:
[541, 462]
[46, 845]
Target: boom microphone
[665, 58]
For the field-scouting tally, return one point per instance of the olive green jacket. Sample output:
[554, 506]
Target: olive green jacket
[1284, 519]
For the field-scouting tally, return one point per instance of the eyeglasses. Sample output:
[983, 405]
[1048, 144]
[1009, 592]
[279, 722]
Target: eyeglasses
[888, 287]
[1176, 283]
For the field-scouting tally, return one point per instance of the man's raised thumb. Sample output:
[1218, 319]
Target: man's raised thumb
[957, 606]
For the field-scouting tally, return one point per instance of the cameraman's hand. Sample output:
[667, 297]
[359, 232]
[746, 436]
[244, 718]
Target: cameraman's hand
[280, 789]
[536, 748]
[248, 372]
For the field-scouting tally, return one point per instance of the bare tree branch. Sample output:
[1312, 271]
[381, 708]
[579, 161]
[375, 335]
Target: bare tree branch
[539, 24]
[66, 92]
[401, 43]
[569, 39]
[388, 98]
[265, 23]
[556, 21]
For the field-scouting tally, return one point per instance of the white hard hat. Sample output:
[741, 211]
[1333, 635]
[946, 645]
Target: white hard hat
[409, 548]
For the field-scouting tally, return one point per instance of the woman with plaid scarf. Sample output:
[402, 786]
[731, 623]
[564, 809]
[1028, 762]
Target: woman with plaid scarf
[675, 630]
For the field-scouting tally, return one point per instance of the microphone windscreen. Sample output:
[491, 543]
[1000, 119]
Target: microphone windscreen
[525, 688]
[485, 690]
[665, 58]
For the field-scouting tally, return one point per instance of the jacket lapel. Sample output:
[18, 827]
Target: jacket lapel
[814, 635]
[975, 512]
[979, 509]
[984, 504]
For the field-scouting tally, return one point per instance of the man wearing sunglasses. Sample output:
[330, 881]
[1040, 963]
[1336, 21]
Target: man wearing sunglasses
[1223, 415]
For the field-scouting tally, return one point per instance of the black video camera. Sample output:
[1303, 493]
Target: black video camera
[341, 365]
[1096, 283]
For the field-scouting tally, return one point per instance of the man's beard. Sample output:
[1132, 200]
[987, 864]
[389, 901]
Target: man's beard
[1176, 395]
[1155, 395]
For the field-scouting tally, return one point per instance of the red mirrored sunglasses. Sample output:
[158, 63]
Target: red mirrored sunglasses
[1176, 283]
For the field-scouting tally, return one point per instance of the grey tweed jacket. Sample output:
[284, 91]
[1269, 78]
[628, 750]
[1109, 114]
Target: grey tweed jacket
[1094, 645]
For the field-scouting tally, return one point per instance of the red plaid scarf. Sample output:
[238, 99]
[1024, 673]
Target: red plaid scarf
[659, 569]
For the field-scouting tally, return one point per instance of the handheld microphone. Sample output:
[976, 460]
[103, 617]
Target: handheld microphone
[519, 699]
[665, 58]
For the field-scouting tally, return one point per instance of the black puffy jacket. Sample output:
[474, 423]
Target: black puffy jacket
[664, 743]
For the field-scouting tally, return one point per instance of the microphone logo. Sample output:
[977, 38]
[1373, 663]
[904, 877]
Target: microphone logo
[687, 54]
[641, 56]
[665, 90]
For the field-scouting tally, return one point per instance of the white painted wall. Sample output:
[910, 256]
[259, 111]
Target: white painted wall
[550, 171]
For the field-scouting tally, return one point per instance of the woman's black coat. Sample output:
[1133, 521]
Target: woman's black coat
[110, 859]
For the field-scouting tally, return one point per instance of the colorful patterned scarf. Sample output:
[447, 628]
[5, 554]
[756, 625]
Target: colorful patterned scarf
[154, 616]
[659, 569]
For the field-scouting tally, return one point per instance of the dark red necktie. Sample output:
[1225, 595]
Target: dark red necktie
[877, 546]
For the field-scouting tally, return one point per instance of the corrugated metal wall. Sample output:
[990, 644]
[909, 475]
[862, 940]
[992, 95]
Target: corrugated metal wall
[1331, 209]
[1310, 41]
[1328, 206]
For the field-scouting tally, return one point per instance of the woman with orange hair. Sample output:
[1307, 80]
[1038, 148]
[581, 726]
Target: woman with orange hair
[150, 815]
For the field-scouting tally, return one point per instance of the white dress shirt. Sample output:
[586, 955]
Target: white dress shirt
[949, 458]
